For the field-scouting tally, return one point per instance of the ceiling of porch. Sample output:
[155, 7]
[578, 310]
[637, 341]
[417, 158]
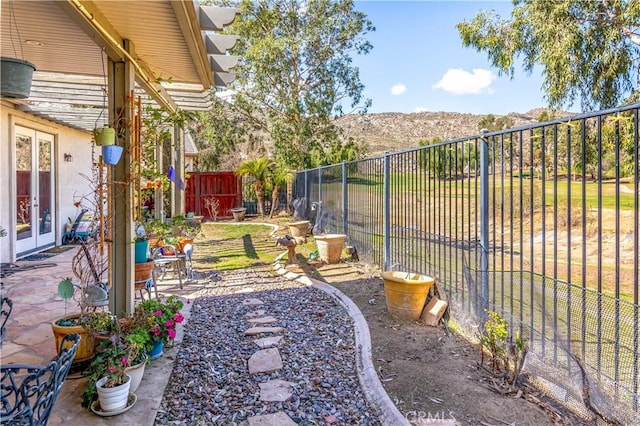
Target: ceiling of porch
[69, 41]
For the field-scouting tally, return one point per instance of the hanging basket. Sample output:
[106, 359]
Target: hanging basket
[15, 78]
[105, 136]
[111, 154]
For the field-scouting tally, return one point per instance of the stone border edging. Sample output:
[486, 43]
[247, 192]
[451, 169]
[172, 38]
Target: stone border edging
[369, 381]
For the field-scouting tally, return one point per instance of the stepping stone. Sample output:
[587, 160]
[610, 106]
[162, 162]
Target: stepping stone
[265, 361]
[276, 391]
[267, 342]
[276, 419]
[252, 301]
[254, 331]
[263, 320]
[255, 314]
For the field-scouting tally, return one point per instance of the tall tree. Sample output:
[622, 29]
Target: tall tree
[297, 73]
[259, 170]
[587, 48]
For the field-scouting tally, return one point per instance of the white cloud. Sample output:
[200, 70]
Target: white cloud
[398, 89]
[460, 82]
[421, 109]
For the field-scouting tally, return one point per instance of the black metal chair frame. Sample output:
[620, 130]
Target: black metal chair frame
[28, 392]
[6, 306]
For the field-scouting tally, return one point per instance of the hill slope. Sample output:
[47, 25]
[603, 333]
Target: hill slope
[392, 131]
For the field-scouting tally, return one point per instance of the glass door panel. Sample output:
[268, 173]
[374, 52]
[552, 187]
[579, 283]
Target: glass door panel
[24, 190]
[35, 226]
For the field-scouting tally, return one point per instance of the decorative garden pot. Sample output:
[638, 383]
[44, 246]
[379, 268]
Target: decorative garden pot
[105, 136]
[330, 247]
[86, 347]
[136, 372]
[141, 251]
[15, 78]
[406, 294]
[238, 213]
[299, 229]
[157, 350]
[111, 154]
[115, 398]
[143, 271]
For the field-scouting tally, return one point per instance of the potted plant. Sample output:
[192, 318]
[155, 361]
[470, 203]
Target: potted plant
[159, 318]
[122, 355]
[185, 230]
[78, 323]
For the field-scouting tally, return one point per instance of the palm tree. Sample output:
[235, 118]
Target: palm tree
[279, 176]
[259, 169]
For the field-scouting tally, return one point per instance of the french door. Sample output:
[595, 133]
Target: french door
[35, 190]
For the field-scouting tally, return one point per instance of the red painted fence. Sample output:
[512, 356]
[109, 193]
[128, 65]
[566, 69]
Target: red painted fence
[204, 187]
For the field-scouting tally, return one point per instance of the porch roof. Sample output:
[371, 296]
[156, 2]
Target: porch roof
[177, 57]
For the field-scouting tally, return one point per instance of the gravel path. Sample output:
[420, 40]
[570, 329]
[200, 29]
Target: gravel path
[211, 384]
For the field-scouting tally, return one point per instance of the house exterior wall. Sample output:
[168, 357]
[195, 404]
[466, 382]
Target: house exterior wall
[68, 180]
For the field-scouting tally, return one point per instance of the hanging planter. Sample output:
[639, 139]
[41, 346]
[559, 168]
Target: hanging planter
[15, 78]
[105, 136]
[111, 154]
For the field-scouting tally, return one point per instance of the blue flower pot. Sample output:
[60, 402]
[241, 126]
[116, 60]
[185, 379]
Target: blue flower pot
[111, 154]
[157, 350]
[142, 251]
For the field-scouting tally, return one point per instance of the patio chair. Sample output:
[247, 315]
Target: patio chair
[6, 306]
[28, 392]
[168, 258]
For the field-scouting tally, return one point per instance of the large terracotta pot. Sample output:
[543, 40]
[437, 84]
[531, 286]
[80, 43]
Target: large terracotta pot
[330, 247]
[298, 229]
[143, 271]
[86, 348]
[406, 294]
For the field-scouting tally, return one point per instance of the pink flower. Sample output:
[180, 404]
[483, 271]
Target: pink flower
[156, 330]
[169, 323]
[172, 333]
[178, 317]
[159, 313]
[124, 360]
[112, 369]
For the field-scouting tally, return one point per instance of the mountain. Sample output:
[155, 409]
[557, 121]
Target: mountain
[392, 131]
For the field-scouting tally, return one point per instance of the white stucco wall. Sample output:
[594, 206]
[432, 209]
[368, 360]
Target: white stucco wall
[68, 179]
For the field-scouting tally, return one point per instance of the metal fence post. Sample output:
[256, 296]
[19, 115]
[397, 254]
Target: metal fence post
[345, 201]
[484, 226]
[387, 215]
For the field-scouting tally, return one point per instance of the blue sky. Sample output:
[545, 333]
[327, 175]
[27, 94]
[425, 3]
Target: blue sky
[418, 62]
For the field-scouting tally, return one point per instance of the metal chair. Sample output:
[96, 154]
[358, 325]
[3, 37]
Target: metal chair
[168, 258]
[7, 307]
[28, 392]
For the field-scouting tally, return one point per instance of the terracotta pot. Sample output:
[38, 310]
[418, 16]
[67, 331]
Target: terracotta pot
[330, 247]
[299, 229]
[86, 348]
[144, 271]
[406, 294]
[184, 242]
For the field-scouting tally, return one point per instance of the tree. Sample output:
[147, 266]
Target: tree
[587, 48]
[279, 176]
[494, 124]
[259, 170]
[296, 72]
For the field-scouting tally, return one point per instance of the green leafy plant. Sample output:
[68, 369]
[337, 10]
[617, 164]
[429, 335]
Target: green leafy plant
[159, 319]
[127, 346]
[506, 353]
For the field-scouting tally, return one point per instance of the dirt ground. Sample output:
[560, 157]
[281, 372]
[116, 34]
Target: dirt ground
[432, 374]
